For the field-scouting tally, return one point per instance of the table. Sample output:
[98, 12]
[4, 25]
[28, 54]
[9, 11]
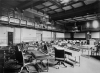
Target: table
[69, 52]
[72, 53]
[40, 56]
[87, 47]
[36, 53]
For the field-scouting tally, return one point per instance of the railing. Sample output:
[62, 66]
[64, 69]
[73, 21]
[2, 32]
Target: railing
[19, 22]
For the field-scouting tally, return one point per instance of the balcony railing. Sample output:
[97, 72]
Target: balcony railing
[19, 22]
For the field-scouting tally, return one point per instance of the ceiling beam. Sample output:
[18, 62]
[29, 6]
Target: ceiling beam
[77, 11]
[55, 3]
[48, 8]
[30, 3]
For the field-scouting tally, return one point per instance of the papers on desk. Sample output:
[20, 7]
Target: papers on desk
[69, 45]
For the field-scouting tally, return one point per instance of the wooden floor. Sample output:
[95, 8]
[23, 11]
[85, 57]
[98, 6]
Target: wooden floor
[88, 65]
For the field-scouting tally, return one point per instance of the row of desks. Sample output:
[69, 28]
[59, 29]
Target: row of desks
[68, 51]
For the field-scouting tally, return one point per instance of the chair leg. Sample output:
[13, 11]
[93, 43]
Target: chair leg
[63, 64]
[21, 69]
[58, 63]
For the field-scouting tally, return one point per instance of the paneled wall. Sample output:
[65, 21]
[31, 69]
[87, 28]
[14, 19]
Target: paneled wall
[26, 35]
[17, 37]
[67, 35]
[19, 34]
[60, 35]
[79, 35]
[4, 34]
[95, 34]
[47, 36]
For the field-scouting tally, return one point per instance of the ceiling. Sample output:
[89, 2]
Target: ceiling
[74, 11]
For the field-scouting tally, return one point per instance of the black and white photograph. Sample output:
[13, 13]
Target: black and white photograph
[49, 36]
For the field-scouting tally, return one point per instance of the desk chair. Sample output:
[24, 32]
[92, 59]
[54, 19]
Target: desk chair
[11, 65]
[21, 58]
[1, 61]
[60, 57]
[44, 49]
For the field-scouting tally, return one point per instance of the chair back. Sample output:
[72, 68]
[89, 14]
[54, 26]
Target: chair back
[18, 55]
[1, 57]
[59, 54]
[44, 49]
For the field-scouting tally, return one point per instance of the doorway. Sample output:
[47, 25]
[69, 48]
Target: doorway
[10, 38]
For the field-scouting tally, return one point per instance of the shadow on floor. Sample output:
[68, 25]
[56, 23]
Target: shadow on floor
[96, 57]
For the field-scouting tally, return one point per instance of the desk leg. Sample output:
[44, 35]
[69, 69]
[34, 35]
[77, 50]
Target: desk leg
[47, 65]
[75, 59]
[88, 53]
[79, 61]
[82, 51]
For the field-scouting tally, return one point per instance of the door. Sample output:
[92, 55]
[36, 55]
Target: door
[10, 38]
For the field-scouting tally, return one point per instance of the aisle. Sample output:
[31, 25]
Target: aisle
[88, 65]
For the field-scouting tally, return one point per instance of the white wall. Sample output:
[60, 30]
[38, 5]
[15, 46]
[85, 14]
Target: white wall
[4, 34]
[67, 35]
[28, 34]
[60, 35]
[17, 35]
[79, 35]
[47, 36]
[95, 35]
[53, 36]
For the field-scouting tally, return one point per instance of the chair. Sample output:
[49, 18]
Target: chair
[60, 56]
[10, 63]
[44, 49]
[21, 60]
[1, 60]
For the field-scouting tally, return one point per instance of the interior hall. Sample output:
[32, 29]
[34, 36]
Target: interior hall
[49, 36]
